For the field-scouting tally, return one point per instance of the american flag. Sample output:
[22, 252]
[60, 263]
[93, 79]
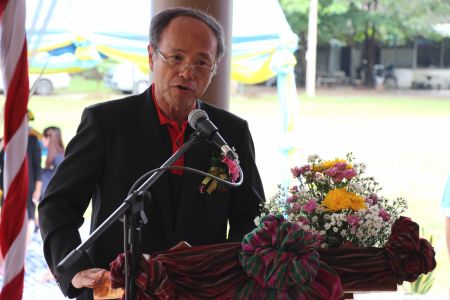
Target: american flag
[13, 222]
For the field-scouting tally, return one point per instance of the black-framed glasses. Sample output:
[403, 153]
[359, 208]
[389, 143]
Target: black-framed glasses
[199, 67]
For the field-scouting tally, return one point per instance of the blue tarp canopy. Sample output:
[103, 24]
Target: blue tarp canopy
[71, 36]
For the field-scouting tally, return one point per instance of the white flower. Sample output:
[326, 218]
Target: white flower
[312, 158]
[356, 187]
[362, 166]
[305, 227]
[378, 225]
[320, 209]
[320, 177]
[335, 229]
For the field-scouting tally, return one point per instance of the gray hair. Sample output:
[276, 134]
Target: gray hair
[161, 20]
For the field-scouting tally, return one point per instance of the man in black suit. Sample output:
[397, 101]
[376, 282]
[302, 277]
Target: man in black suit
[119, 141]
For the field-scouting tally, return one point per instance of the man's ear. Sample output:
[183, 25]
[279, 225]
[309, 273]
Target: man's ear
[150, 56]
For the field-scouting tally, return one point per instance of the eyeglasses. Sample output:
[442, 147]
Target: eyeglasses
[200, 67]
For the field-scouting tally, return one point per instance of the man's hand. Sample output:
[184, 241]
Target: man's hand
[88, 278]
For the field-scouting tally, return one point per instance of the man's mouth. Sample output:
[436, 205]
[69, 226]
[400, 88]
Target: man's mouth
[185, 88]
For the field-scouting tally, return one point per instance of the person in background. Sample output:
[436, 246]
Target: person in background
[119, 141]
[52, 141]
[34, 154]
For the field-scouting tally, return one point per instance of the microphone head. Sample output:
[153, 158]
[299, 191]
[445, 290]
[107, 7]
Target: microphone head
[195, 115]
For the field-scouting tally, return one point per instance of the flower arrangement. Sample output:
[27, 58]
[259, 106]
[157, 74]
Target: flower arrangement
[222, 167]
[337, 202]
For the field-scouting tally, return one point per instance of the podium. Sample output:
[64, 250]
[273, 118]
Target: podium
[280, 260]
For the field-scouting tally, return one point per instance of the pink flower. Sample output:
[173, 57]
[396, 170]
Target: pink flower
[292, 199]
[233, 169]
[349, 174]
[374, 198]
[297, 171]
[296, 208]
[338, 172]
[293, 189]
[384, 215]
[332, 171]
[309, 206]
[340, 165]
[338, 178]
[303, 220]
[353, 220]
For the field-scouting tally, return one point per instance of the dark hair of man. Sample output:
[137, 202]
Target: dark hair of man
[161, 20]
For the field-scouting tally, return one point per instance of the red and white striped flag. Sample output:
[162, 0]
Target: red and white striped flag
[13, 222]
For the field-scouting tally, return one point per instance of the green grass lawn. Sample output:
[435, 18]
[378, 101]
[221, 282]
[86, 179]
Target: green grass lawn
[403, 139]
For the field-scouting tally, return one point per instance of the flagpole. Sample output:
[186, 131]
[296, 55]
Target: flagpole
[13, 220]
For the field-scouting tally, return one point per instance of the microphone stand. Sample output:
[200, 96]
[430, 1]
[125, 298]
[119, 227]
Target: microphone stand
[130, 208]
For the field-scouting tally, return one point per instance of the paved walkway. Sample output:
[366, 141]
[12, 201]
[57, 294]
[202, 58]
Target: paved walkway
[35, 268]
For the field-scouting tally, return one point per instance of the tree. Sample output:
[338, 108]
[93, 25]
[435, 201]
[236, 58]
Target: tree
[368, 23]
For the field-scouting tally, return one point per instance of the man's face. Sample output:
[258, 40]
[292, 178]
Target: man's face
[186, 41]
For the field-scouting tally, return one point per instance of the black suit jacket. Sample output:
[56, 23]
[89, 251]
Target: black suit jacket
[116, 143]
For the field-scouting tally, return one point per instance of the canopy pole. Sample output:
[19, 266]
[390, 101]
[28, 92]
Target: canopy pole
[218, 92]
[312, 50]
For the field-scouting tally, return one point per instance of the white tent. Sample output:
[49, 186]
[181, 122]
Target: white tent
[71, 36]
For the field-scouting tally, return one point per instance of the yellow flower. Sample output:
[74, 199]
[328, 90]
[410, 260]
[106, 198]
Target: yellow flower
[339, 199]
[329, 164]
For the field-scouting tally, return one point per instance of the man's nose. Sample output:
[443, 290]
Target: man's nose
[187, 70]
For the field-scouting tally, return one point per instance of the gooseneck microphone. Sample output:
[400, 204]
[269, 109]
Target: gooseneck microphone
[198, 120]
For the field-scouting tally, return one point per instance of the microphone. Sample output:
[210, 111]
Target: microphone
[198, 120]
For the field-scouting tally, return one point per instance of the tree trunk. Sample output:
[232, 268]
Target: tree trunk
[370, 47]
[369, 54]
[302, 57]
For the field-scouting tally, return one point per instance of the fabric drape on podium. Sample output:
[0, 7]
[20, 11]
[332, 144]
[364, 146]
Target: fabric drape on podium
[277, 260]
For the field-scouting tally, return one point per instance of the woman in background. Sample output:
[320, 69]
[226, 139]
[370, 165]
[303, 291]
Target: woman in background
[52, 141]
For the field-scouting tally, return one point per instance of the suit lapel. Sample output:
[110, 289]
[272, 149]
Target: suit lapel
[153, 143]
